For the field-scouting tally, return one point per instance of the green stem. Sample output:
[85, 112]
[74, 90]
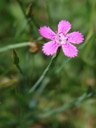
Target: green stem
[43, 75]
[22, 7]
[34, 100]
[30, 19]
[23, 76]
[24, 12]
[19, 45]
[68, 106]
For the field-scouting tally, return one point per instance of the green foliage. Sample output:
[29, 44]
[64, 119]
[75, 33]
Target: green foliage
[63, 90]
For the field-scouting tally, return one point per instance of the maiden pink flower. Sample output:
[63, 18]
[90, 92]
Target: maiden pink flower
[61, 38]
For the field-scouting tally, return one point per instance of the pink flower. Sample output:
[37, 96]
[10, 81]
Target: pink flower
[61, 38]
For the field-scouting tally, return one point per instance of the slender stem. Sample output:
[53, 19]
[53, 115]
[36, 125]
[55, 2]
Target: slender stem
[24, 13]
[42, 76]
[61, 67]
[19, 45]
[23, 76]
[16, 62]
[41, 88]
[68, 106]
[22, 7]
[34, 100]
[30, 19]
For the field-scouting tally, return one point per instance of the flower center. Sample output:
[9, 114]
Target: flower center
[61, 39]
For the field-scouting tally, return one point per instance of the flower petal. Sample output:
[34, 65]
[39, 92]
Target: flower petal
[75, 37]
[64, 26]
[69, 50]
[50, 48]
[47, 32]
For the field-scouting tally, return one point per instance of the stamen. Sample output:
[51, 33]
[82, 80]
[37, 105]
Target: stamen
[61, 39]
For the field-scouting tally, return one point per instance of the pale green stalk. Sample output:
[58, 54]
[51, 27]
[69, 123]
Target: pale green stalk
[42, 76]
[13, 46]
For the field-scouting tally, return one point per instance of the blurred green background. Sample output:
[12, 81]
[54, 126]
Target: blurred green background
[66, 80]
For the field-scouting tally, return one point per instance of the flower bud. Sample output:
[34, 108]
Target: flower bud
[34, 47]
[29, 10]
